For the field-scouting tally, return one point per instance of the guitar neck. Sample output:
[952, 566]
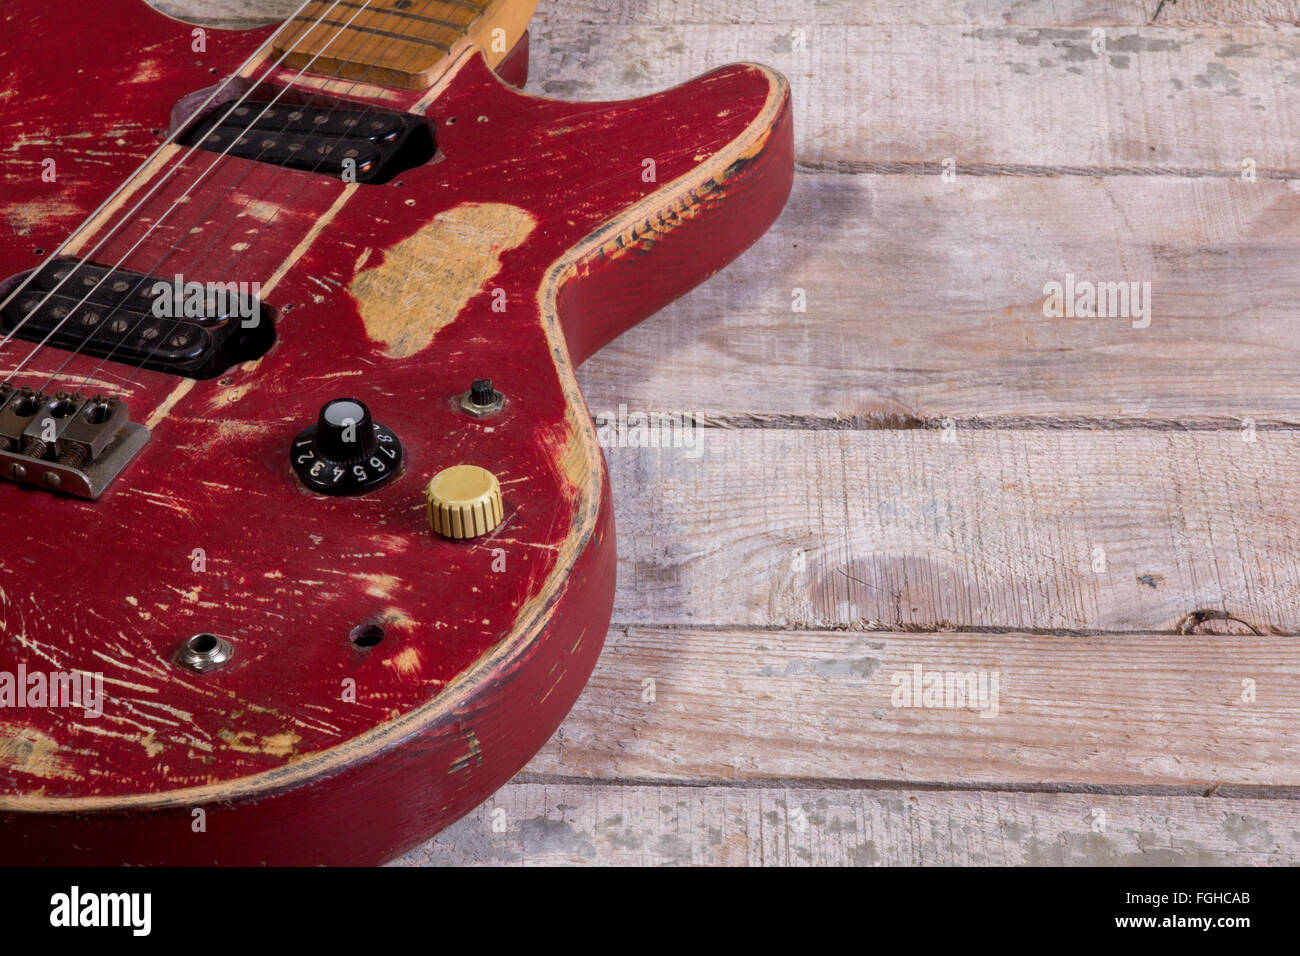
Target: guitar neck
[403, 44]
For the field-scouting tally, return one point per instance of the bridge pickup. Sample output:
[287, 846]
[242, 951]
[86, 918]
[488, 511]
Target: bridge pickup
[116, 314]
[359, 145]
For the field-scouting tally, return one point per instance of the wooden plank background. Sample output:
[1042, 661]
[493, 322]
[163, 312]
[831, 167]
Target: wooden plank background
[923, 469]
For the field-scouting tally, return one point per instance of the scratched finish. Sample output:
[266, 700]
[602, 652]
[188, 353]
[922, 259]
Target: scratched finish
[383, 293]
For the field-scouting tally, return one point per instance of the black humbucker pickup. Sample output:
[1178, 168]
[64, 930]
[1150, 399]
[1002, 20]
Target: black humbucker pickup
[116, 314]
[359, 145]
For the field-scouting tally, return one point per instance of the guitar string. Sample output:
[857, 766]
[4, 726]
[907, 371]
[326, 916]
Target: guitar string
[302, 183]
[142, 167]
[270, 181]
[180, 163]
[175, 204]
[149, 274]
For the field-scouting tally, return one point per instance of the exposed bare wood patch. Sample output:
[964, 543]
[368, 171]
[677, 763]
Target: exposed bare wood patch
[34, 752]
[22, 217]
[425, 281]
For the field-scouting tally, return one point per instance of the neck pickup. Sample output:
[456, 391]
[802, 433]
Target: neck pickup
[353, 144]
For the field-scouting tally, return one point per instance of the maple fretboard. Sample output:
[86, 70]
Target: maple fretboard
[398, 43]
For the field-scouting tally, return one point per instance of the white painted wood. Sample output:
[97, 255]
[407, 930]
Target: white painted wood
[1048, 13]
[870, 98]
[1002, 528]
[1043, 13]
[629, 825]
[1120, 712]
[924, 300]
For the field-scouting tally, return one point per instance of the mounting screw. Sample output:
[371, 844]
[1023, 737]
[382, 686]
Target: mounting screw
[205, 652]
[482, 399]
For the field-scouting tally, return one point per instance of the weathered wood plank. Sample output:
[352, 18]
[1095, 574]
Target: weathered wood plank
[871, 98]
[987, 93]
[1121, 712]
[924, 300]
[613, 825]
[1046, 13]
[1002, 529]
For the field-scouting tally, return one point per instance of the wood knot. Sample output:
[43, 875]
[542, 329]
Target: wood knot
[1211, 621]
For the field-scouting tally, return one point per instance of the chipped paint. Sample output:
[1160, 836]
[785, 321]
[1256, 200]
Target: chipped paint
[406, 661]
[33, 752]
[275, 745]
[425, 281]
[23, 217]
[381, 585]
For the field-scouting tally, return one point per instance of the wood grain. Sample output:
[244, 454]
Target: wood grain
[868, 99]
[995, 529]
[716, 13]
[427, 280]
[754, 578]
[1042, 13]
[924, 300]
[636, 825]
[993, 85]
[399, 44]
[1127, 713]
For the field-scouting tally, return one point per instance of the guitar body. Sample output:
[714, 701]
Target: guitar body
[537, 233]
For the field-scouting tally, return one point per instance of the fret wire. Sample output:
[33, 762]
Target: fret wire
[409, 38]
[467, 4]
[413, 16]
[478, 8]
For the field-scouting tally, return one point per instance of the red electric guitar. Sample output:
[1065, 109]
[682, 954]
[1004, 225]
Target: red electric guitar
[307, 536]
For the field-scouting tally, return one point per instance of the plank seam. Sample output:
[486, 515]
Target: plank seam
[1189, 620]
[903, 421]
[919, 168]
[1218, 791]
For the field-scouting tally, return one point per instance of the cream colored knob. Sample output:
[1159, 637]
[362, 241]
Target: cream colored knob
[464, 501]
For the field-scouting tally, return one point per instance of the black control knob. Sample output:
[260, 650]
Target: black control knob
[482, 399]
[346, 452]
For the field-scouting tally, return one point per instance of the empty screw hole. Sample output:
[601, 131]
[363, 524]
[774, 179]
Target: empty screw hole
[366, 635]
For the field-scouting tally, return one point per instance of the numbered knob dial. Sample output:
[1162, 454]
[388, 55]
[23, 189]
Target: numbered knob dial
[346, 452]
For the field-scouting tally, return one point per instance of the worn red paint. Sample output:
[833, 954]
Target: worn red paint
[478, 667]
